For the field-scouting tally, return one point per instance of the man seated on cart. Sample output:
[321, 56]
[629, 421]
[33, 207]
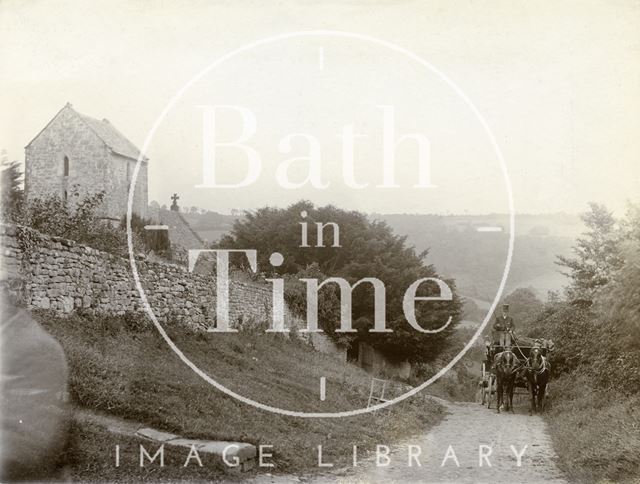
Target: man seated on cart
[503, 327]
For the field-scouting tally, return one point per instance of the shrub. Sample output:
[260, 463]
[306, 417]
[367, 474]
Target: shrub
[79, 221]
[571, 328]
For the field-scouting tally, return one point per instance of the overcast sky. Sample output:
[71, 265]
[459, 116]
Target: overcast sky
[558, 84]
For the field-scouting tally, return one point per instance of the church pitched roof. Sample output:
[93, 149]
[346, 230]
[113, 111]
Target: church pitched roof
[113, 138]
[180, 232]
[110, 136]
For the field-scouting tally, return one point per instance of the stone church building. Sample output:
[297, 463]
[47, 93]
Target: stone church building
[75, 152]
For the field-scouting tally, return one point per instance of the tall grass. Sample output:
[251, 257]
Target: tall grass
[596, 432]
[122, 366]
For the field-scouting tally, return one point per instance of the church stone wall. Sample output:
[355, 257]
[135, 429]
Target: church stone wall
[67, 135]
[63, 276]
[93, 167]
[120, 178]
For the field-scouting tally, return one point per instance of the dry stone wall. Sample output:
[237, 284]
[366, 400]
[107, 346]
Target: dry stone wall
[63, 276]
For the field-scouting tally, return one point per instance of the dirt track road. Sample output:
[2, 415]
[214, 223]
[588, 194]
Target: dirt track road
[468, 426]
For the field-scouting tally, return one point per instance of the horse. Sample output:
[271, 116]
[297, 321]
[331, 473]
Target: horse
[506, 365]
[537, 373]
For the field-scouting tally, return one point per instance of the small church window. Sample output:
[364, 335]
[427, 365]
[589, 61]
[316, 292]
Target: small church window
[66, 166]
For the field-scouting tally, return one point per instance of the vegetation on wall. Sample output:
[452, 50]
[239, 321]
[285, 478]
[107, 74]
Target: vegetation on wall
[76, 218]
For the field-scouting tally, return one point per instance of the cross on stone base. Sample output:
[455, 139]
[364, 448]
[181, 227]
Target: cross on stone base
[174, 205]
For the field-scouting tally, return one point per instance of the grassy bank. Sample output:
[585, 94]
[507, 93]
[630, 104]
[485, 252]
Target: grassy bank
[596, 433]
[121, 366]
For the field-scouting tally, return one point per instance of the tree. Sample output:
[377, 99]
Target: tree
[366, 249]
[572, 329]
[614, 354]
[602, 340]
[524, 307]
[596, 254]
[630, 224]
[11, 190]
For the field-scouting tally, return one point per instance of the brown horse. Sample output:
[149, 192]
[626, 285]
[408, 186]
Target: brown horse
[537, 373]
[506, 365]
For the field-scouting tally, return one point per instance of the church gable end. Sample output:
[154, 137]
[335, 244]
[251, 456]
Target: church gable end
[76, 152]
[65, 154]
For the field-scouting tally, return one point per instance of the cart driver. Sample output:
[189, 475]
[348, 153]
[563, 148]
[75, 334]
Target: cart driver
[503, 327]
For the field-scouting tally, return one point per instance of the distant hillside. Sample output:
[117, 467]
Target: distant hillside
[556, 225]
[209, 225]
[476, 259]
[457, 249]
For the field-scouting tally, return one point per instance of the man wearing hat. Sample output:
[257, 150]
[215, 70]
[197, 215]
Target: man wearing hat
[504, 326]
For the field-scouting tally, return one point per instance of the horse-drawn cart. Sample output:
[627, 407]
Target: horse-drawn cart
[526, 362]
